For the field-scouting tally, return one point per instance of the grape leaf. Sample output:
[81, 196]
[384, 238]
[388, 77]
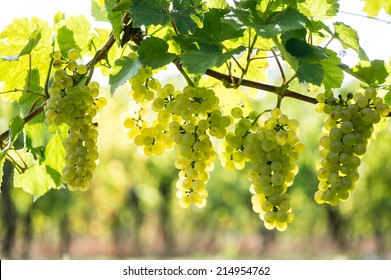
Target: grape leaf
[27, 98]
[214, 30]
[35, 180]
[55, 158]
[315, 65]
[36, 132]
[115, 18]
[219, 4]
[300, 48]
[184, 13]
[207, 56]
[73, 32]
[309, 71]
[276, 23]
[123, 5]
[372, 73]
[387, 98]
[332, 73]
[349, 38]
[98, 11]
[12, 42]
[153, 53]
[126, 69]
[320, 9]
[373, 7]
[15, 127]
[31, 44]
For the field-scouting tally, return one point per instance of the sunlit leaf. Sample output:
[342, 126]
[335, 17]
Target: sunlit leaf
[98, 10]
[31, 44]
[126, 68]
[73, 32]
[319, 8]
[55, 158]
[349, 38]
[17, 38]
[372, 73]
[373, 7]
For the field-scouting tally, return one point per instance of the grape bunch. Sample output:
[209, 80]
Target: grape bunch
[75, 105]
[196, 118]
[348, 126]
[146, 124]
[272, 151]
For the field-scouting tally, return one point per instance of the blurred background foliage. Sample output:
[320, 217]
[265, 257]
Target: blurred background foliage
[131, 210]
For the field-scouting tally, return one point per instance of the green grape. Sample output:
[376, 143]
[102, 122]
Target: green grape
[73, 54]
[349, 124]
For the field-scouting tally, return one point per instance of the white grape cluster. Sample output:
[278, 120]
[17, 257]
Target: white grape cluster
[273, 151]
[348, 127]
[75, 105]
[147, 122]
[196, 118]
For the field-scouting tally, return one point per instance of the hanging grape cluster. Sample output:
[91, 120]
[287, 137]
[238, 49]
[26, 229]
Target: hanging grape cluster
[75, 104]
[348, 127]
[273, 150]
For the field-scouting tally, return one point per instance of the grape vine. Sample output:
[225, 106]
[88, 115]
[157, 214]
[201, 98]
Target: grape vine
[212, 48]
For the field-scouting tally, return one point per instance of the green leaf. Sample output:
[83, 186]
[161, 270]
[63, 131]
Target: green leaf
[123, 5]
[125, 68]
[214, 30]
[219, 4]
[320, 9]
[275, 24]
[31, 44]
[114, 17]
[28, 98]
[310, 72]
[98, 11]
[332, 73]
[37, 133]
[373, 7]
[349, 38]
[35, 180]
[14, 128]
[372, 73]
[55, 158]
[206, 57]
[387, 98]
[12, 41]
[73, 32]
[300, 48]
[153, 53]
[184, 13]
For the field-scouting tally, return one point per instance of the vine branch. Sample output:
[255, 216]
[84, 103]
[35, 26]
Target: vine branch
[261, 86]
